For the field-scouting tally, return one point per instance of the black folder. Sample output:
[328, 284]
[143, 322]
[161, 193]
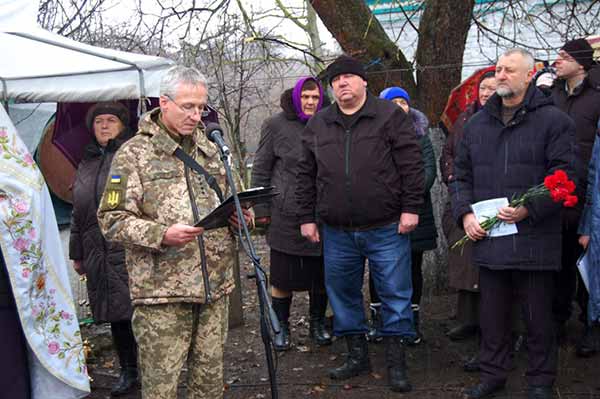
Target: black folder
[219, 217]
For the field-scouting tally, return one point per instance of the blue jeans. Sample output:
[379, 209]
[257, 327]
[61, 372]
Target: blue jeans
[389, 263]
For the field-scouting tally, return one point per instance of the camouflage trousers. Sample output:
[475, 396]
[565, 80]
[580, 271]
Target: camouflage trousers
[169, 334]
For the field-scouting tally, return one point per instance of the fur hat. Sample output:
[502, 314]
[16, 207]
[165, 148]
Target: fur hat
[581, 51]
[112, 108]
[345, 64]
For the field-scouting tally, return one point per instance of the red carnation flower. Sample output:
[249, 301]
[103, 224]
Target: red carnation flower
[571, 201]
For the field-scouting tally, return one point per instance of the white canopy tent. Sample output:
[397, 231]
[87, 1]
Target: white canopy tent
[40, 66]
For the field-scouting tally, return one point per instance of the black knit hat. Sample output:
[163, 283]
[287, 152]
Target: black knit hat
[581, 51]
[345, 64]
[112, 108]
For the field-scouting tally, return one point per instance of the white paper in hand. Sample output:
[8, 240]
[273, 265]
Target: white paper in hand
[583, 265]
[489, 208]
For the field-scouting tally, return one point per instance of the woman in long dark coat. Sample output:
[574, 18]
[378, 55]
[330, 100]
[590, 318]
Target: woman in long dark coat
[296, 263]
[424, 237]
[103, 262]
[462, 275]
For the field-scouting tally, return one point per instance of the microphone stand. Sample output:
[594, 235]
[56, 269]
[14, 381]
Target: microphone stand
[268, 318]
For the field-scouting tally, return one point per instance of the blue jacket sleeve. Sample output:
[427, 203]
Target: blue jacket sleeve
[585, 225]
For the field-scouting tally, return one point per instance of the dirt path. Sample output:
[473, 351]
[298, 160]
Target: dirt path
[435, 366]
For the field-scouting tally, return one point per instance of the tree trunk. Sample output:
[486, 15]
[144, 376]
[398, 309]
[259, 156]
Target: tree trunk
[316, 46]
[442, 37]
[361, 35]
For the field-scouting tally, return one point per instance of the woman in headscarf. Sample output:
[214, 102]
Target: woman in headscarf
[296, 263]
[103, 262]
[423, 238]
[462, 275]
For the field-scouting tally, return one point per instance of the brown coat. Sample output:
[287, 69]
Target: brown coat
[462, 275]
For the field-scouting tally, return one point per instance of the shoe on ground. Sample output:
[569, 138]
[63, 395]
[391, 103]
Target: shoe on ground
[520, 343]
[472, 365]
[589, 344]
[483, 390]
[357, 360]
[395, 359]
[281, 340]
[127, 382]
[462, 332]
[540, 392]
[318, 333]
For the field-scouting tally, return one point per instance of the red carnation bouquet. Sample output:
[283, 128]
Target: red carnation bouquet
[557, 186]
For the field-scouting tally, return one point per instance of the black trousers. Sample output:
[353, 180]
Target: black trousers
[467, 308]
[125, 344]
[568, 280]
[417, 280]
[14, 368]
[534, 292]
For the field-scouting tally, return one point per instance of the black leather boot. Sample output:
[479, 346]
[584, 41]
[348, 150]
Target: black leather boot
[127, 382]
[317, 306]
[472, 365]
[395, 358]
[375, 323]
[540, 392]
[589, 344]
[126, 348]
[357, 360]
[281, 306]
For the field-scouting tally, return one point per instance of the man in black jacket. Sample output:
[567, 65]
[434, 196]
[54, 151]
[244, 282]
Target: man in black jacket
[516, 140]
[576, 92]
[361, 174]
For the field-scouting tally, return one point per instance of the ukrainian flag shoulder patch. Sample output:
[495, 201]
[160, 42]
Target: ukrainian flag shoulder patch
[115, 179]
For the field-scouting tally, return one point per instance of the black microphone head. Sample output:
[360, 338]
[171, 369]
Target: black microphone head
[211, 129]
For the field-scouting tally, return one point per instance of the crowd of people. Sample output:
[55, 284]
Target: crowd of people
[363, 174]
[354, 178]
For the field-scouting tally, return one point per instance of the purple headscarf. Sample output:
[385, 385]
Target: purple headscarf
[297, 101]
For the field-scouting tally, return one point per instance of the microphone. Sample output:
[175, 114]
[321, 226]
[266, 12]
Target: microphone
[215, 134]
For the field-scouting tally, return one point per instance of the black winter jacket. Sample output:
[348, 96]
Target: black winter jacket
[276, 160]
[424, 237]
[364, 176]
[494, 161]
[583, 106]
[103, 261]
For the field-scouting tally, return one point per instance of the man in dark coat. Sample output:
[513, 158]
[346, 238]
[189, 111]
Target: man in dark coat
[296, 263]
[361, 174]
[510, 146]
[576, 92]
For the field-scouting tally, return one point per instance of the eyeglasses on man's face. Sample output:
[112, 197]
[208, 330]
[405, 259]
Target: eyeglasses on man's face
[191, 109]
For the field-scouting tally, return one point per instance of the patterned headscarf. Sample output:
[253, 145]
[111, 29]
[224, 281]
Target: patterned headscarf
[297, 100]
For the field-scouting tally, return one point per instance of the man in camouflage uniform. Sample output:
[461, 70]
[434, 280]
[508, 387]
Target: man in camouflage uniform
[146, 206]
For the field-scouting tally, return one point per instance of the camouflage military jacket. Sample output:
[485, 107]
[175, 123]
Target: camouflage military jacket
[146, 192]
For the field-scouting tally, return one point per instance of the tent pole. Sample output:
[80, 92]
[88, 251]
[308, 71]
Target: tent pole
[4, 94]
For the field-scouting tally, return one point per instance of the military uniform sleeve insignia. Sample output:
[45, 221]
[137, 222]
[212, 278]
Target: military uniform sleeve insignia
[113, 194]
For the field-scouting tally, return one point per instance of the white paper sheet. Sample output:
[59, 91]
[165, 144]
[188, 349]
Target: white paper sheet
[489, 208]
[583, 265]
